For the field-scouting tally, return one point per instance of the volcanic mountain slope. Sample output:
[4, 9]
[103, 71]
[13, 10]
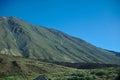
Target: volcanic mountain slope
[20, 38]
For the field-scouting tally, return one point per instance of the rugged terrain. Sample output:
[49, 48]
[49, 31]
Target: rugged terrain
[20, 38]
[18, 68]
[29, 52]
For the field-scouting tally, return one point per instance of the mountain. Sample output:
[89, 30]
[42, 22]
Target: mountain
[20, 38]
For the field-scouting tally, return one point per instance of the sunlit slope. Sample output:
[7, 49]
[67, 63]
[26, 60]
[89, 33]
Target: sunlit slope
[20, 38]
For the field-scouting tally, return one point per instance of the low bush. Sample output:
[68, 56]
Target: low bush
[101, 73]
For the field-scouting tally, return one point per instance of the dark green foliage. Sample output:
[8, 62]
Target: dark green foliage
[81, 77]
[75, 78]
[1, 60]
[102, 72]
[88, 78]
[41, 77]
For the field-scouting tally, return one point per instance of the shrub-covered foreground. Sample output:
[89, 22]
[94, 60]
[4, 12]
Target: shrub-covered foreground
[77, 74]
[93, 74]
[17, 68]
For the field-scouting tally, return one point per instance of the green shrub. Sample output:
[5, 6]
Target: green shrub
[102, 72]
[78, 74]
[89, 78]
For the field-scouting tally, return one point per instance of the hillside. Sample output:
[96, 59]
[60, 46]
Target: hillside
[20, 38]
[14, 68]
[18, 68]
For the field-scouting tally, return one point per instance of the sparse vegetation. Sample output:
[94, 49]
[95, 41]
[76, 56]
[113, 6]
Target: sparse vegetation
[18, 68]
[20, 38]
[24, 48]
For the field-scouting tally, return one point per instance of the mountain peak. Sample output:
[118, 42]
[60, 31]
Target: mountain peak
[5, 17]
[2, 18]
[20, 38]
[11, 17]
